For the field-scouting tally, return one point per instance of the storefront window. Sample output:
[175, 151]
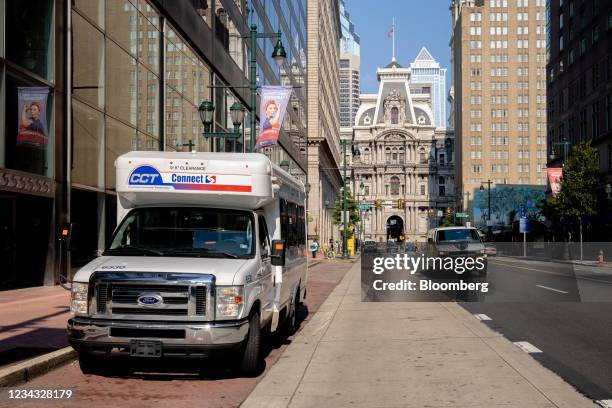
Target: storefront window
[88, 61]
[29, 127]
[122, 23]
[88, 146]
[30, 36]
[121, 82]
[93, 9]
[119, 139]
[148, 101]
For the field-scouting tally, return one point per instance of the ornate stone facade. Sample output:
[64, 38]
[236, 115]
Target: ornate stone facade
[400, 157]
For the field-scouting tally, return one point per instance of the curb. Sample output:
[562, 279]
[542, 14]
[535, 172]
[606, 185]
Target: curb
[27, 370]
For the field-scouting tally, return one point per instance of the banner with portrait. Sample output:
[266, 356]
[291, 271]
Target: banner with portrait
[32, 127]
[272, 109]
[555, 174]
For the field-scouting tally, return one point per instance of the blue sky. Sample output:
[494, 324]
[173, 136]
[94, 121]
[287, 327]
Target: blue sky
[417, 23]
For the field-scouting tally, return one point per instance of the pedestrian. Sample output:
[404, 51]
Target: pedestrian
[314, 247]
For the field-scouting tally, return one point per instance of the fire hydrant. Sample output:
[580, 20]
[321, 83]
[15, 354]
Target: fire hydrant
[600, 257]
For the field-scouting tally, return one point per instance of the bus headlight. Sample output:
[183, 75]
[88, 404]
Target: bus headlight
[78, 298]
[229, 301]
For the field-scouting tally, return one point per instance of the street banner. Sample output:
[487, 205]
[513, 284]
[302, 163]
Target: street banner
[32, 120]
[555, 174]
[274, 100]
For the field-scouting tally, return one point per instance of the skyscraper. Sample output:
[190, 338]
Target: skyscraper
[349, 69]
[499, 77]
[426, 70]
[323, 27]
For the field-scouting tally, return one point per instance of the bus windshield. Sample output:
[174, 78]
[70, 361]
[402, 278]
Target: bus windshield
[459, 234]
[185, 231]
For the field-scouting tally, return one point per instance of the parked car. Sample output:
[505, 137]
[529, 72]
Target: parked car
[369, 246]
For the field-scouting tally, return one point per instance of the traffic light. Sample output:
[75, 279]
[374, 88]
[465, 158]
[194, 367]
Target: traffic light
[401, 203]
[378, 203]
[449, 211]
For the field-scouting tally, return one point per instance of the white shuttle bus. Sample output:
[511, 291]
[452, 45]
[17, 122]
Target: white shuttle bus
[209, 249]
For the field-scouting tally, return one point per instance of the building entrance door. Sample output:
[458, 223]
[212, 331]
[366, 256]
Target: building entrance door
[395, 228]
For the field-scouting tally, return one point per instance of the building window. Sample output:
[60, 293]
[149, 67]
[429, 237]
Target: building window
[395, 185]
[422, 187]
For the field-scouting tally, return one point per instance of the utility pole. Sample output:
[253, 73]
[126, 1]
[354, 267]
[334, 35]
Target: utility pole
[344, 203]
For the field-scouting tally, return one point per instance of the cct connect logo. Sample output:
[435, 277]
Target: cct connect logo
[145, 176]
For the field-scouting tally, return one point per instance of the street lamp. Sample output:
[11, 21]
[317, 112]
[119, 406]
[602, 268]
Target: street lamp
[285, 165]
[206, 111]
[489, 225]
[553, 155]
[278, 54]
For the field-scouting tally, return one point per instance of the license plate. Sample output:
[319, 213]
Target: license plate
[145, 348]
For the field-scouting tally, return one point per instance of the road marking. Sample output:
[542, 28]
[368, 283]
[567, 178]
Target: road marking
[553, 289]
[527, 347]
[605, 403]
[481, 317]
[551, 273]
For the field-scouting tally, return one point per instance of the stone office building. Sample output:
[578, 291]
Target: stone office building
[404, 161]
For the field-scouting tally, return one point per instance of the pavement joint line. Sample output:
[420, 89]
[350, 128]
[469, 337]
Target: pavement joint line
[482, 316]
[345, 290]
[527, 347]
[26, 370]
[604, 403]
[553, 289]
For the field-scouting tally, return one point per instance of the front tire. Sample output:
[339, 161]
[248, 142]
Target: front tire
[252, 347]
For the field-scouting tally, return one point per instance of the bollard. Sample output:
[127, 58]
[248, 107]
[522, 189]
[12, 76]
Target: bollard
[600, 258]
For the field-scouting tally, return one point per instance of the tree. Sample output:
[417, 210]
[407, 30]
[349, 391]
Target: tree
[577, 198]
[353, 211]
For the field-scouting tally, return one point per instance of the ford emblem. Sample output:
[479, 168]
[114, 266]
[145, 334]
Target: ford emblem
[150, 299]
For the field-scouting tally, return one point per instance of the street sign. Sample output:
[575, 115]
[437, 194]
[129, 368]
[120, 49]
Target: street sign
[524, 226]
[522, 211]
[462, 215]
[364, 207]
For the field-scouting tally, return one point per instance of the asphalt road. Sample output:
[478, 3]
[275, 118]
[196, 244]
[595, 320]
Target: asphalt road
[179, 384]
[561, 309]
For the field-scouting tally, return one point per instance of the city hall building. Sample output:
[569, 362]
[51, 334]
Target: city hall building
[84, 81]
[403, 160]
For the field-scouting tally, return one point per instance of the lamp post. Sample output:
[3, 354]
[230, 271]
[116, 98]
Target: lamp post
[206, 111]
[489, 226]
[565, 145]
[278, 54]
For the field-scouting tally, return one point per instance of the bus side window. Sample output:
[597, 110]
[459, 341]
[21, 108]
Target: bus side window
[264, 240]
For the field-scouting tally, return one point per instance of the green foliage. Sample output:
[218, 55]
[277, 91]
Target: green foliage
[580, 176]
[577, 197]
[353, 211]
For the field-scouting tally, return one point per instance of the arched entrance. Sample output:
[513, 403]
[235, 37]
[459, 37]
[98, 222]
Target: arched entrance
[395, 228]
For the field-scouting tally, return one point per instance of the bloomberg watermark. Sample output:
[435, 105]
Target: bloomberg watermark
[404, 277]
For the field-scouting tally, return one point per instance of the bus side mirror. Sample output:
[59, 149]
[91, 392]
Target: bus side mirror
[278, 252]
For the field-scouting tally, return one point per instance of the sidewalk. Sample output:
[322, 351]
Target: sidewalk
[405, 355]
[32, 322]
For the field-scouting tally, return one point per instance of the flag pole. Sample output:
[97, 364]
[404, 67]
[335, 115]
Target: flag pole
[393, 30]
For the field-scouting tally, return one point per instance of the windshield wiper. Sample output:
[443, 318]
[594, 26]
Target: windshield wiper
[201, 252]
[125, 249]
